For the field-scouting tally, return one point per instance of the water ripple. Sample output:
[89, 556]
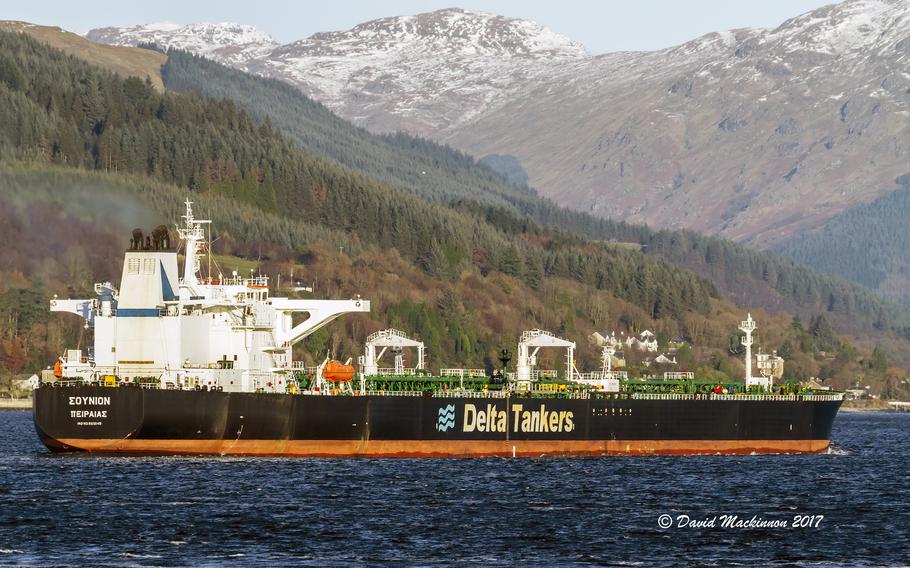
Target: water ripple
[144, 511]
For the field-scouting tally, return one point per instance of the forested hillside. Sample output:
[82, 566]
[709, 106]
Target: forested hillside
[439, 173]
[78, 224]
[60, 110]
[79, 221]
[84, 149]
[866, 244]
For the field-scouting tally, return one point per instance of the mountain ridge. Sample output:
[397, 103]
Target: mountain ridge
[505, 51]
[230, 42]
[740, 133]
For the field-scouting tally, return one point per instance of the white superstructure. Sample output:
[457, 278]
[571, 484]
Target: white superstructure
[168, 331]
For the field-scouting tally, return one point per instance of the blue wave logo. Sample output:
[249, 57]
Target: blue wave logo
[446, 418]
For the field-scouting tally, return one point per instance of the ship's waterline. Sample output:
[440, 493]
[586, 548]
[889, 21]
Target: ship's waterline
[436, 449]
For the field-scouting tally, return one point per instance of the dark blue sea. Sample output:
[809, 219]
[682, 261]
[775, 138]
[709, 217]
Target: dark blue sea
[124, 511]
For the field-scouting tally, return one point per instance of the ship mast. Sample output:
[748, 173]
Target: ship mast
[194, 236]
[747, 327]
[606, 358]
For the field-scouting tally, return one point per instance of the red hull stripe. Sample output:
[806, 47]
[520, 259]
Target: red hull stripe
[440, 448]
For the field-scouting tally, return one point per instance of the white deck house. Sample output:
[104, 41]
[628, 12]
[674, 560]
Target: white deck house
[191, 332]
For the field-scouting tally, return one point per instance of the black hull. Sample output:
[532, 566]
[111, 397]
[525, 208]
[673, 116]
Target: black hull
[151, 421]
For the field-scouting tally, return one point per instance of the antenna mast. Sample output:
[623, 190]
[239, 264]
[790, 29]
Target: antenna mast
[194, 236]
[747, 327]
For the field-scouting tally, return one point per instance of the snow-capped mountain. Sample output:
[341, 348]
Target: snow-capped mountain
[752, 134]
[227, 42]
[421, 73]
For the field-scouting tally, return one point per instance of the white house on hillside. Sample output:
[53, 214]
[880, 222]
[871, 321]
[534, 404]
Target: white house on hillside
[30, 383]
[646, 341]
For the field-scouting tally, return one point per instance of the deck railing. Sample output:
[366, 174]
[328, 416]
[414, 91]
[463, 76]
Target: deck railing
[260, 380]
[597, 375]
[739, 396]
[388, 372]
[474, 373]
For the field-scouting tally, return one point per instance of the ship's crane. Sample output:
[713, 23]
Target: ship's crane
[321, 313]
[82, 308]
[537, 338]
[385, 339]
[87, 309]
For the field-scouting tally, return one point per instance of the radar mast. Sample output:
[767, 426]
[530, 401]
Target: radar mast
[194, 235]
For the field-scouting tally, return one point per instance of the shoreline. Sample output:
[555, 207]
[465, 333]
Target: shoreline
[875, 406]
[15, 403]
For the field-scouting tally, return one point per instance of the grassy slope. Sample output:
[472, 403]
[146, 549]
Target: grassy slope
[124, 61]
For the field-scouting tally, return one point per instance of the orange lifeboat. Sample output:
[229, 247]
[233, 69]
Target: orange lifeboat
[336, 371]
[58, 369]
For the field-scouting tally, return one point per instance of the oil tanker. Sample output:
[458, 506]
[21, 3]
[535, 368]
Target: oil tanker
[186, 364]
